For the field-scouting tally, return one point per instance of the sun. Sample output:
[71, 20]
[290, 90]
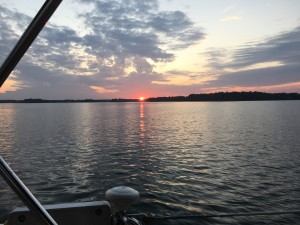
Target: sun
[141, 98]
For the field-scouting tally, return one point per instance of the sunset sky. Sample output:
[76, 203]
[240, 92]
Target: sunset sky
[104, 49]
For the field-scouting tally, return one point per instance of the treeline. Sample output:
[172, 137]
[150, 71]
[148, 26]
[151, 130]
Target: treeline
[219, 96]
[38, 100]
[229, 96]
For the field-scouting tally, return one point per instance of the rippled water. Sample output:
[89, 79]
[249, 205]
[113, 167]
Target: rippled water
[184, 158]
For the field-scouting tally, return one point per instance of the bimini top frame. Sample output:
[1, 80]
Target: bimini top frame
[7, 67]
[27, 38]
[24, 194]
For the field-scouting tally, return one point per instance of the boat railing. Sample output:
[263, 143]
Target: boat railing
[24, 194]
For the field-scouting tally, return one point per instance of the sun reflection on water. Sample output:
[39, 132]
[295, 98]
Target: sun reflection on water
[142, 124]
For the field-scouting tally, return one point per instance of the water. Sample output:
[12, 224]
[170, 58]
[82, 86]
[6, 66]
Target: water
[184, 158]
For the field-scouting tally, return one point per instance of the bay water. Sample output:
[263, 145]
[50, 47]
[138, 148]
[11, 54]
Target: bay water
[184, 158]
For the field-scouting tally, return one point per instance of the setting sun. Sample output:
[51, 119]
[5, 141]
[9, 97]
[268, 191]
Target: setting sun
[142, 98]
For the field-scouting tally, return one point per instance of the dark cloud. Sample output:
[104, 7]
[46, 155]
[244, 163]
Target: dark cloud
[138, 28]
[57, 36]
[40, 82]
[9, 23]
[283, 49]
[260, 77]
[176, 27]
[216, 58]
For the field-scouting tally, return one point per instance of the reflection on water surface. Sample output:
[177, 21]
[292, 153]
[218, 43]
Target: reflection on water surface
[184, 158]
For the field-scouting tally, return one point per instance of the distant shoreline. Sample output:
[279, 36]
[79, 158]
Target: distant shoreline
[212, 97]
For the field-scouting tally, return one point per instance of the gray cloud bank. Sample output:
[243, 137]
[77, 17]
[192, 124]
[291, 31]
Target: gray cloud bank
[284, 49]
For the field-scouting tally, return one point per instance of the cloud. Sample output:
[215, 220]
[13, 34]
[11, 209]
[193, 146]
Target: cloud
[273, 61]
[229, 8]
[231, 18]
[121, 38]
[8, 27]
[138, 28]
[284, 47]
[103, 90]
[260, 77]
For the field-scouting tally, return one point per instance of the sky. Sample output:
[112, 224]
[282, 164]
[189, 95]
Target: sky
[103, 49]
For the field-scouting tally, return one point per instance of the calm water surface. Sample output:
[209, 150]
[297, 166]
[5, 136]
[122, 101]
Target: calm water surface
[184, 158]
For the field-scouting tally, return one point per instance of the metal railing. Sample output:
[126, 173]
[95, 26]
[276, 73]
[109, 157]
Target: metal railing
[7, 67]
[24, 194]
[27, 38]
